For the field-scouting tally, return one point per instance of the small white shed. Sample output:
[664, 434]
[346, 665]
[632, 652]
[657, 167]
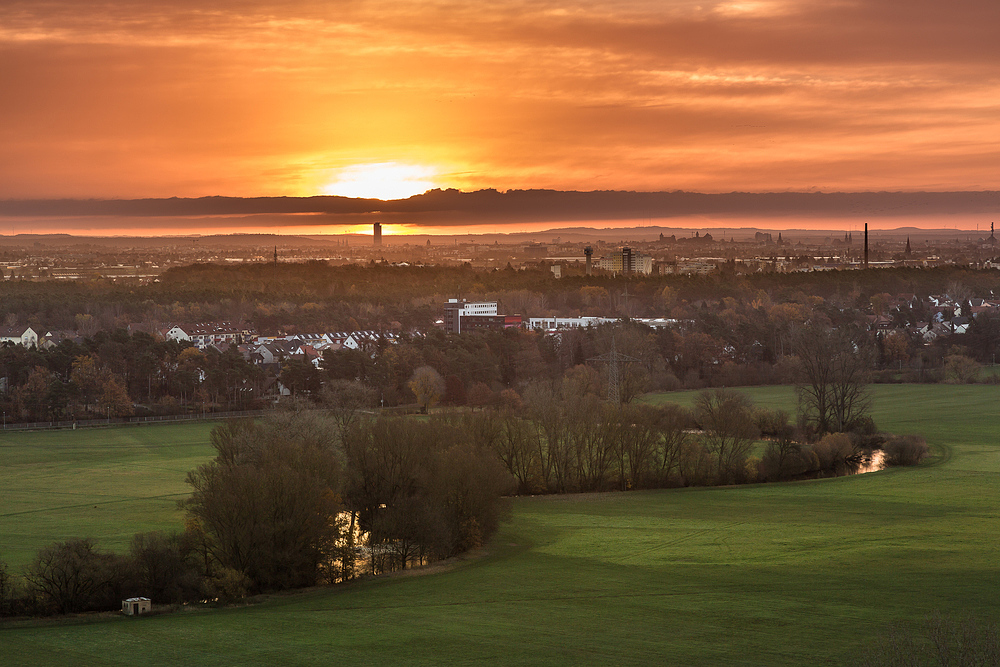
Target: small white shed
[136, 606]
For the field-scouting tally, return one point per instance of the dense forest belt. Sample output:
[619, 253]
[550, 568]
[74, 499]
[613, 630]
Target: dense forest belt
[310, 293]
[715, 331]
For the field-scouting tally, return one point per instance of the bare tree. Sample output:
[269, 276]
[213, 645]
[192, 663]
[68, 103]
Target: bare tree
[517, 447]
[346, 401]
[672, 429]
[836, 366]
[7, 589]
[523, 302]
[165, 566]
[72, 576]
[591, 440]
[638, 437]
[546, 410]
[726, 418]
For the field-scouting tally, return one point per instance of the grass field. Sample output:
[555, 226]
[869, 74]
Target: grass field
[793, 574]
[102, 483]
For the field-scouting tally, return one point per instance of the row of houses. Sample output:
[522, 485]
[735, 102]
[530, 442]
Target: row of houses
[223, 336]
[25, 336]
[310, 347]
[946, 316]
[200, 335]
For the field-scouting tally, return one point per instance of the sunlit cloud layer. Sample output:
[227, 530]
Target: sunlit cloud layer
[192, 98]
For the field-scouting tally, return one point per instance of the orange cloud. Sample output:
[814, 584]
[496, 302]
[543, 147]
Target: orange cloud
[125, 99]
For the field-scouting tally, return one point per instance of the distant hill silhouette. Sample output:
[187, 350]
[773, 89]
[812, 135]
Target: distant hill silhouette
[491, 206]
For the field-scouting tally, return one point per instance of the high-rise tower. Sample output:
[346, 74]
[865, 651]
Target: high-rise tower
[866, 245]
[377, 234]
[628, 265]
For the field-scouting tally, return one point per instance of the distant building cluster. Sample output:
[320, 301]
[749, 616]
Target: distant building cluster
[628, 261]
[205, 334]
[552, 324]
[462, 316]
[939, 315]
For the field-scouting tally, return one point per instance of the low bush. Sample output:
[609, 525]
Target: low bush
[771, 423]
[905, 450]
[73, 576]
[165, 567]
[786, 459]
[227, 585]
[943, 641]
[7, 592]
[695, 464]
[833, 451]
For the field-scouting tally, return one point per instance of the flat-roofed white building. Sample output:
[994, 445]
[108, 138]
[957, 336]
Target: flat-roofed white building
[455, 310]
[568, 322]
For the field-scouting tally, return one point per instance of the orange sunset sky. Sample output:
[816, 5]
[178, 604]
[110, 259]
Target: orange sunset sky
[190, 98]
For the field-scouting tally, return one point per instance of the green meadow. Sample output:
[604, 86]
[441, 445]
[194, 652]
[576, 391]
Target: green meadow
[782, 574]
[107, 484]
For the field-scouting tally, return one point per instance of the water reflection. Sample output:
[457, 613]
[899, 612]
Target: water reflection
[872, 462]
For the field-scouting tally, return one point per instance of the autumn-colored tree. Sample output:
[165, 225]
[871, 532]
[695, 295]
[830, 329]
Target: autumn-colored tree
[960, 368]
[896, 347]
[428, 386]
[86, 377]
[480, 395]
[422, 490]
[33, 395]
[114, 400]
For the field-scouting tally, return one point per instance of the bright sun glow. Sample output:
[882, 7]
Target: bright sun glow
[382, 180]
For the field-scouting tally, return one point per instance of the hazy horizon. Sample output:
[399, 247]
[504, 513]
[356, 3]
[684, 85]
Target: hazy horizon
[453, 212]
[960, 225]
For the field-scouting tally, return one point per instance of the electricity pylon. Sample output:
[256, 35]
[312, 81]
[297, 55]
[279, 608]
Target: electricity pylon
[613, 359]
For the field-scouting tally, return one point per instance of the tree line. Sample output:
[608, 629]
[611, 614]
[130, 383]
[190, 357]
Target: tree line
[726, 332]
[119, 374]
[297, 499]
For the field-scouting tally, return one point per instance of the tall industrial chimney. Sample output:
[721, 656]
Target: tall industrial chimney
[866, 245]
[377, 234]
[589, 252]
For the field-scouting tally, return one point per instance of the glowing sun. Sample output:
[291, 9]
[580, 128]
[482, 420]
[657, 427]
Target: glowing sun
[382, 180]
